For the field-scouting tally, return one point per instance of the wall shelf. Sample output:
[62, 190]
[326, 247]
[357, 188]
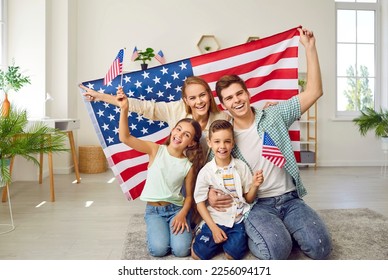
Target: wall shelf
[308, 137]
[208, 43]
[252, 38]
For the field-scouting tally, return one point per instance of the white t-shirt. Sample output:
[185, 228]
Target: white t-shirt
[276, 180]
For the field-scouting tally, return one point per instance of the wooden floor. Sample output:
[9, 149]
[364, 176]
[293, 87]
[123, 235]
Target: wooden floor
[88, 221]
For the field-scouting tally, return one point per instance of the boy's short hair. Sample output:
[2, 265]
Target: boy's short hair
[220, 125]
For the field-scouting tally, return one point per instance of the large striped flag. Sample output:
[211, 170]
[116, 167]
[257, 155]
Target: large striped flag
[269, 66]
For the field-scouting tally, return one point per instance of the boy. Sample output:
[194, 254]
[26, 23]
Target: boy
[233, 177]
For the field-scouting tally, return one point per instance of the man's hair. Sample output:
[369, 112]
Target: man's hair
[218, 125]
[225, 81]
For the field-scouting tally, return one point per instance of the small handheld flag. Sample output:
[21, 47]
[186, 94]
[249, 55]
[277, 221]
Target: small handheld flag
[135, 54]
[160, 57]
[116, 68]
[272, 152]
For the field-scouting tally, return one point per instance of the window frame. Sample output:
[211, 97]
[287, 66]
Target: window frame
[358, 6]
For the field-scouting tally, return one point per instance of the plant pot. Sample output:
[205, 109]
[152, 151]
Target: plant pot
[144, 66]
[384, 144]
[5, 106]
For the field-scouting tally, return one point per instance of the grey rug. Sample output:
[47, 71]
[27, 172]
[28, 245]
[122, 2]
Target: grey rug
[357, 234]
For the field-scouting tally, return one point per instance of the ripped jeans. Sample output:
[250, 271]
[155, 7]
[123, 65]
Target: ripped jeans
[274, 223]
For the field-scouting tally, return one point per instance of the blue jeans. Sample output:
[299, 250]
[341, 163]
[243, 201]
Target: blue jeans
[274, 223]
[235, 246]
[160, 238]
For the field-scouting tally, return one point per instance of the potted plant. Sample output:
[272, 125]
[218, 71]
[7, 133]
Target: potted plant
[145, 56]
[301, 84]
[371, 119]
[18, 138]
[11, 79]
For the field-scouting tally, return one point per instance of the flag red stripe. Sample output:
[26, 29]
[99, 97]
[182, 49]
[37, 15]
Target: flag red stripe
[277, 74]
[294, 135]
[120, 156]
[136, 190]
[128, 154]
[236, 50]
[273, 94]
[241, 69]
[131, 171]
[297, 156]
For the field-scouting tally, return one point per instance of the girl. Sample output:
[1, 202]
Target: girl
[171, 165]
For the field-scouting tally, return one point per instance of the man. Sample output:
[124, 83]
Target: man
[279, 215]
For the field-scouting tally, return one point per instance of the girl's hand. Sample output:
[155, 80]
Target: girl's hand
[179, 224]
[120, 91]
[219, 235]
[121, 99]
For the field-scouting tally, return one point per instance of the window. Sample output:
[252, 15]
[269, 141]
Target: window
[357, 73]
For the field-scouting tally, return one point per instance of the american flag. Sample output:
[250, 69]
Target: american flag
[135, 54]
[271, 151]
[269, 66]
[116, 68]
[160, 57]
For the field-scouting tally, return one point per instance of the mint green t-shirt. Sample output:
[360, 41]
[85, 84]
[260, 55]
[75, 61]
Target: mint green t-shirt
[165, 178]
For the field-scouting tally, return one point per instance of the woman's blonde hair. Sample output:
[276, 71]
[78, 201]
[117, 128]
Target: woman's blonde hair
[195, 80]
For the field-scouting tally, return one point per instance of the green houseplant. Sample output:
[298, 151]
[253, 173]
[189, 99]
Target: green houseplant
[371, 119]
[11, 79]
[145, 56]
[19, 138]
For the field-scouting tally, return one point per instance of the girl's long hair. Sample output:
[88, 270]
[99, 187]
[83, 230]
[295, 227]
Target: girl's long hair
[194, 153]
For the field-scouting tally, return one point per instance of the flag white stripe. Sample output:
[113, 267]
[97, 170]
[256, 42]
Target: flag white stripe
[244, 58]
[120, 147]
[134, 181]
[262, 71]
[129, 163]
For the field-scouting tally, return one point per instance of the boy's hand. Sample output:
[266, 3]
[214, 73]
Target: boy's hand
[258, 178]
[218, 235]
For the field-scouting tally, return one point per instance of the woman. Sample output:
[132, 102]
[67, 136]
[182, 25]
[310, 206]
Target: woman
[197, 103]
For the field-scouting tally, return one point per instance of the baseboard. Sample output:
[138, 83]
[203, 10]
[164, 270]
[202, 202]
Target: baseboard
[340, 163]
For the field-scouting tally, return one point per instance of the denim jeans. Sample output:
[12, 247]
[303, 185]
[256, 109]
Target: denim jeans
[235, 246]
[160, 238]
[274, 223]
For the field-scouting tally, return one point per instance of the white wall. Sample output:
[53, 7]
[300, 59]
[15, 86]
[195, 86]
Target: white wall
[80, 39]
